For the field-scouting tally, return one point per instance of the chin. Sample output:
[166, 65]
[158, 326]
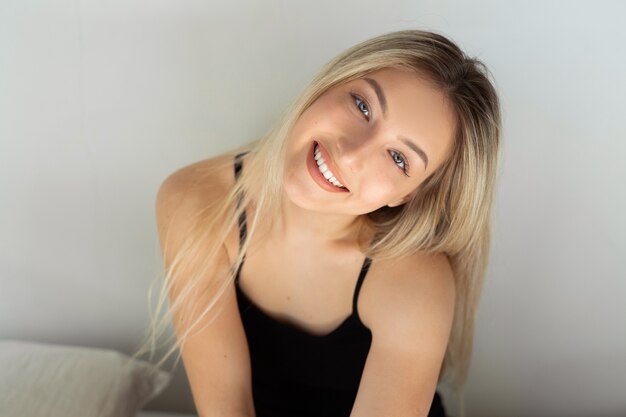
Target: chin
[295, 192]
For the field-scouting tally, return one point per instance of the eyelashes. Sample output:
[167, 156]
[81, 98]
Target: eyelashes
[397, 157]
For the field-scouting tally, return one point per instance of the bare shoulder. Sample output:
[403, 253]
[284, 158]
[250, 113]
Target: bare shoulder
[187, 191]
[408, 305]
[408, 298]
[191, 182]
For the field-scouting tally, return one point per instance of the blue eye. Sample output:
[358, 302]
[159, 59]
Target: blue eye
[362, 106]
[400, 161]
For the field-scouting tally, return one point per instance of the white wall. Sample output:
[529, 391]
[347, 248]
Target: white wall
[100, 101]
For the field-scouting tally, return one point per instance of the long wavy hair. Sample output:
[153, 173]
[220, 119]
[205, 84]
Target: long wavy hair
[450, 212]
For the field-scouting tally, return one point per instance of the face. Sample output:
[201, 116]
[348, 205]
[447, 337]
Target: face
[377, 138]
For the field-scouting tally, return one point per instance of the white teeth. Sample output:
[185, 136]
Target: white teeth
[324, 169]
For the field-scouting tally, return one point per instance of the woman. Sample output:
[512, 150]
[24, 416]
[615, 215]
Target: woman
[363, 219]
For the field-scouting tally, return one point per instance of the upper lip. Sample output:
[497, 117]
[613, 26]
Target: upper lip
[331, 165]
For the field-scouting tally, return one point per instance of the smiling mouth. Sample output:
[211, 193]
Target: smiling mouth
[320, 171]
[323, 168]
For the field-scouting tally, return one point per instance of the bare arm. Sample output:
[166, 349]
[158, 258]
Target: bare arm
[216, 359]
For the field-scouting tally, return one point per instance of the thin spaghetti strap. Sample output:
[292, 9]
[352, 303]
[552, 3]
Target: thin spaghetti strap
[242, 216]
[366, 266]
[238, 163]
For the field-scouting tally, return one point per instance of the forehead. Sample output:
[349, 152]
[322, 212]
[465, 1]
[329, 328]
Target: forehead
[408, 89]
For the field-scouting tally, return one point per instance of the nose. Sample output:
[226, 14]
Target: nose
[353, 151]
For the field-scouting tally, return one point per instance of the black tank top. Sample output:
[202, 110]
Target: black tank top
[299, 374]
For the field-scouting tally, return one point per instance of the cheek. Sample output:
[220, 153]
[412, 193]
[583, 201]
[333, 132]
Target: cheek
[379, 193]
[324, 116]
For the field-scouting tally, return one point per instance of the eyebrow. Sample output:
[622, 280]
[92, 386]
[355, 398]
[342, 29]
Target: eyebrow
[383, 105]
[379, 94]
[417, 150]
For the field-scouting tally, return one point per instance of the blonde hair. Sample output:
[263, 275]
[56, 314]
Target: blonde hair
[450, 212]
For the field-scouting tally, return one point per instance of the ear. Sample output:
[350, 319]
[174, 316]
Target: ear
[401, 201]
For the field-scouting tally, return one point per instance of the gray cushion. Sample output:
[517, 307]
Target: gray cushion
[44, 380]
